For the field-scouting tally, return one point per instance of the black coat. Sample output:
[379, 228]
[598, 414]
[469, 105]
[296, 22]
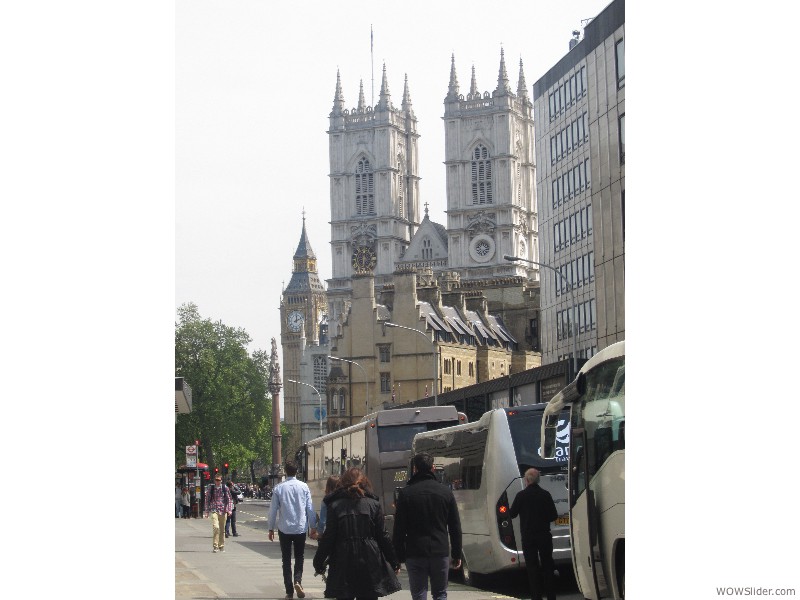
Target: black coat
[425, 517]
[536, 511]
[357, 549]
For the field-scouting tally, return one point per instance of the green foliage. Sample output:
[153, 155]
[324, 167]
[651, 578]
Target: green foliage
[231, 406]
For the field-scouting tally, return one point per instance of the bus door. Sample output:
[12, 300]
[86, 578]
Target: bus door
[509, 530]
[583, 524]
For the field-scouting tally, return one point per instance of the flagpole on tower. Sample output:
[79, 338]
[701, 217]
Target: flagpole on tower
[372, 64]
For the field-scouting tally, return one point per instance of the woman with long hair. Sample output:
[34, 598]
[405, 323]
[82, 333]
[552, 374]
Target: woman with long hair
[361, 560]
[330, 486]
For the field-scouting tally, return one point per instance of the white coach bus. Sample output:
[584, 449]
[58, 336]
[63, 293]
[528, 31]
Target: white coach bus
[483, 463]
[596, 400]
[380, 445]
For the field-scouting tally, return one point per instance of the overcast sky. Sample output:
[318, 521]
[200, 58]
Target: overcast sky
[255, 84]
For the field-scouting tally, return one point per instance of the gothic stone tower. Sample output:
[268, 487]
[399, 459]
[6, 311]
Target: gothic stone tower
[374, 181]
[303, 306]
[491, 187]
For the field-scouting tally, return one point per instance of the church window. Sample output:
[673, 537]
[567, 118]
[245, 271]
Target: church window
[320, 373]
[384, 350]
[427, 250]
[386, 383]
[481, 176]
[365, 197]
[342, 401]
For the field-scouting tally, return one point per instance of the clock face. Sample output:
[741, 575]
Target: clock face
[364, 259]
[295, 320]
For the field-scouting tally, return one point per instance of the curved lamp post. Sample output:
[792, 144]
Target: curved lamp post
[572, 299]
[318, 396]
[435, 358]
[366, 380]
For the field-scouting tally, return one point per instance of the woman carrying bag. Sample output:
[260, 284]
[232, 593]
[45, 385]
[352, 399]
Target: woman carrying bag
[361, 560]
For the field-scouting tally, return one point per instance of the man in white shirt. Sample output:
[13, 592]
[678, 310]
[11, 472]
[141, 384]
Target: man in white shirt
[291, 507]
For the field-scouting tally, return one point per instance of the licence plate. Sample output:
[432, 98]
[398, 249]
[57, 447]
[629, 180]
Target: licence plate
[562, 520]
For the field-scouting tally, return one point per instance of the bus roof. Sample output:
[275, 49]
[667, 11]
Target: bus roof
[560, 400]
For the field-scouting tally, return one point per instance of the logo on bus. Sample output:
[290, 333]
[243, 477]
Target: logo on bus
[562, 441]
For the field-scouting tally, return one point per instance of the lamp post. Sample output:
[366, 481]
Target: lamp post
[435, 359]
[366, 380]
[318, 396]
[572, 299]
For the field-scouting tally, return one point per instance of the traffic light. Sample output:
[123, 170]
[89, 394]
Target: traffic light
[225, 469]
[216, 470]
[206, 475]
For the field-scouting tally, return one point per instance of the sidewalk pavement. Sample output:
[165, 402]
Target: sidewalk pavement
[250, 567]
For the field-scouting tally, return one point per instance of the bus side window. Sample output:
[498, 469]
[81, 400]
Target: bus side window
[602, 448]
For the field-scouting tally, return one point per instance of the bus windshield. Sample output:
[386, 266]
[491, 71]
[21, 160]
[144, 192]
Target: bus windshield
[526, 427]
[398, 438]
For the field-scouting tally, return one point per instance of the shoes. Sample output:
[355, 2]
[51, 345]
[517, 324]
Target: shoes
[299, 589]
[226, 535]
[289, 596]
[222, 549]
[235, 535]
[216, 550]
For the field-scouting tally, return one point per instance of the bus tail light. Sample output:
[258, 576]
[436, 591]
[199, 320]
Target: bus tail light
[504, 526]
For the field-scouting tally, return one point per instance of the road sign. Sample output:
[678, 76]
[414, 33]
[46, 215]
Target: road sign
[320, 413]
[191, 456]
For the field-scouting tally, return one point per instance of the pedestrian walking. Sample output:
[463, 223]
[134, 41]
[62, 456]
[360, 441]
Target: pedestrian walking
[178, 505]
[425, 517]
[330, 486]
[230, 524]
[536, 510]
[291, 508]
[219, 506]
[186, 502]
[361, 560]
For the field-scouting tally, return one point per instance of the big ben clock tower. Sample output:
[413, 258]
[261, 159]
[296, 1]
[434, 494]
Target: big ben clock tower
[303, 305]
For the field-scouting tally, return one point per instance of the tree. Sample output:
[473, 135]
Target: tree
[231, 405]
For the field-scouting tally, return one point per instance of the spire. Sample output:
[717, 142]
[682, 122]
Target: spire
[503, 87]
[385, 99]
[338, 97]
[473, 86]
[361, 103]
[407, 98]
[452, 89]
[304, 247]
[522, 87]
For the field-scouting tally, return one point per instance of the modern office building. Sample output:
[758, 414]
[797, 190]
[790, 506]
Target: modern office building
[579, 115]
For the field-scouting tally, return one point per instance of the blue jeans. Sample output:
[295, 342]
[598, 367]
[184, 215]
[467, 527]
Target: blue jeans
[231, 522]
[420, 569]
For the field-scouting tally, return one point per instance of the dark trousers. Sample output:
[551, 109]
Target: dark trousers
[538, 552]
[231, 523]
[299, 541]
[420, 569]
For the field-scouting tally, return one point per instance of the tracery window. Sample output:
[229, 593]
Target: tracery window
[365, 197]
[481, 176]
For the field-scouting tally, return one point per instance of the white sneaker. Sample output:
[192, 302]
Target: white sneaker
[299, 589]
[215, 550]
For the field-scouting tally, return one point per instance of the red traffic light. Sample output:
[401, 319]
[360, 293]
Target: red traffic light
[226, 465]
[216, 469]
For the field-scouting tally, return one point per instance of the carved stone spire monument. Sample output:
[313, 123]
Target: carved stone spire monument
[275, 390]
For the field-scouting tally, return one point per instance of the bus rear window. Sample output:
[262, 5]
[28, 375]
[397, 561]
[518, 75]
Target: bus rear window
[526, 428]
[398, 438]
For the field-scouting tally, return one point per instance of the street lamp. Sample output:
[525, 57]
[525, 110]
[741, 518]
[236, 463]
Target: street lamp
[366, 380]
[572, 298]
[435, 358]
[318, 396]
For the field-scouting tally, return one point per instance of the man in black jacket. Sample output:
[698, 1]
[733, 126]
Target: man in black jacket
[425, 517]
[536, 510]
